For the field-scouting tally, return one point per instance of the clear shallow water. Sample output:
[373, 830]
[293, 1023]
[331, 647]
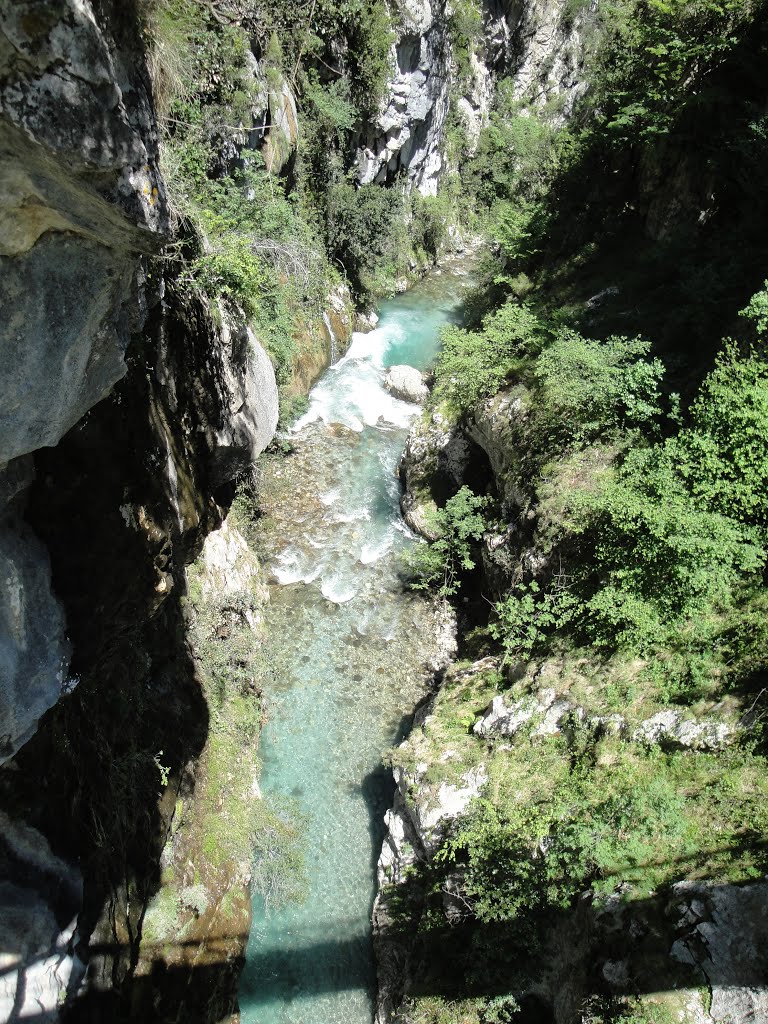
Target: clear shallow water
[347, 649]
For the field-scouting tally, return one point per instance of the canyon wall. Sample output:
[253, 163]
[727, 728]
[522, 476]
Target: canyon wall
[130, 405]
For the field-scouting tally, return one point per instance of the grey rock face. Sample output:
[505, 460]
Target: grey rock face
[34, 653]
[38, 914]
[544, 48]
[536, 42]
[726, 938]
[670, 729]
[63, 337]
[436, 458]
[406, 383]
[407, 133]
[252, 405]
[81, 198]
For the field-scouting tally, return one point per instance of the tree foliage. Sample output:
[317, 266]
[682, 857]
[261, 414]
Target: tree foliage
[439, 564]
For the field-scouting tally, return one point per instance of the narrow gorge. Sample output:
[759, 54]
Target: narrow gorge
[383, 516]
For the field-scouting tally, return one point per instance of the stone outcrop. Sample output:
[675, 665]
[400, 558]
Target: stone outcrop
[433, 467]
[542, 44]
[507, 720]
[420, 817]
[498, 426]
[674, 730]
[724, 936]
[283, 134]
[82, 197]
[538, 43]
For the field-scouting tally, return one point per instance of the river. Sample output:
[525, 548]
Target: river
[348, 650]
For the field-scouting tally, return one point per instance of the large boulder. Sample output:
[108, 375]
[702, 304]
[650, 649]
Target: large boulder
[406, 383]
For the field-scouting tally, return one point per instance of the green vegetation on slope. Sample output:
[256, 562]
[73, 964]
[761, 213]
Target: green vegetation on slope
[635, 534]
[260, 108]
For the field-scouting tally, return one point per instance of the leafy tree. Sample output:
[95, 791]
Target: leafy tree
[438, 565]
[362, 231]
[474, 364]
[657, 53]
[587, 388]
[757, 309]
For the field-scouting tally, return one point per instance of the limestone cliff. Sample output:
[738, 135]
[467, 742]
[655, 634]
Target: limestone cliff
[538, 43]
[129, 405]
[407, 134]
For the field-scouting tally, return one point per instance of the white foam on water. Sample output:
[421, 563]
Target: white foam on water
[373, 552]
[330, 496]
[285, 575]
[338, 590]
[402, 527]
[291, 568]
[360, 515]
[372, 346]
[352, 394]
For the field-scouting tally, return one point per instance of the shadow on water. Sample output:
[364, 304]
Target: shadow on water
[378, 791]
[439, 959]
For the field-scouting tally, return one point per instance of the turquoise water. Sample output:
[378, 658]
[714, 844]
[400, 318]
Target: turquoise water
[348, 651]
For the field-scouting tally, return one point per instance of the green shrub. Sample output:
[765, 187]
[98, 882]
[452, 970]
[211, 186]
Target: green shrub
[653, 56]
[756, 309]
[474, 364]
[365, 232]
[527, 618]
[465, 29]
[586, 389]
[677, 532]
[523, 857]
[438, 565]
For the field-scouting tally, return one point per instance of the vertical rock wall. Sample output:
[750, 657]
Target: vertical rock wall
[127, 409]
[534, 41]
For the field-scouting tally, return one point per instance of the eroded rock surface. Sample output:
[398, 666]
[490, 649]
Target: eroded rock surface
[433, 467]
[672, 729]
[407, 133]
[81, 198]
[38, 962]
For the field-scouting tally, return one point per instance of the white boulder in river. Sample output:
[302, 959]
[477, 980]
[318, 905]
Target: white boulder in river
[406, 383]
